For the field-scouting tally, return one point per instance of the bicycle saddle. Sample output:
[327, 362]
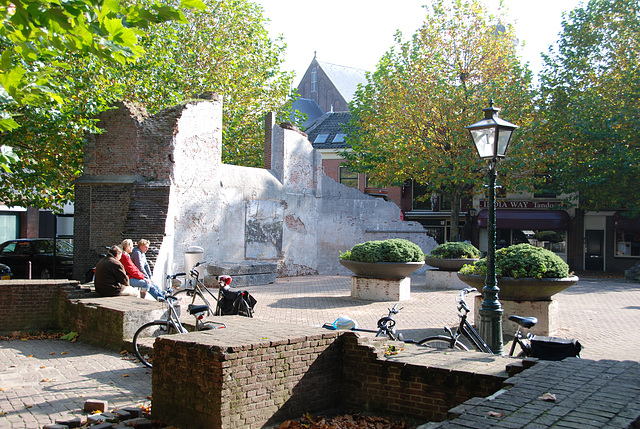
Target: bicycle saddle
[525, 322]
[195, 309]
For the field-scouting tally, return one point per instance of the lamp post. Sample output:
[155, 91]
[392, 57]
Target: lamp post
[491, 137]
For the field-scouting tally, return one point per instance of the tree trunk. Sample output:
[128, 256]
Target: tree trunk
[455, 217]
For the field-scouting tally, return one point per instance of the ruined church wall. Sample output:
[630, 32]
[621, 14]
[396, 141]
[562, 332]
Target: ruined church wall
[290, 214]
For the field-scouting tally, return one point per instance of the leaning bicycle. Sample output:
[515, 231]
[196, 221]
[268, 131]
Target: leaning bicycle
[146, 335]
[548, 348]
[227, 302]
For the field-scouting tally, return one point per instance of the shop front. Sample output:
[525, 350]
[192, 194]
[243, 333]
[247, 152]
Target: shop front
[538, 223]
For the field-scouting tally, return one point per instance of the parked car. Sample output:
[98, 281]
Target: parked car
[39, 251]
[5, 272]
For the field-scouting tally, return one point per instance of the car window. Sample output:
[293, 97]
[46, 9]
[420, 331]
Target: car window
[43, 246]
[64, 246]
[23, 248]
[9, 249]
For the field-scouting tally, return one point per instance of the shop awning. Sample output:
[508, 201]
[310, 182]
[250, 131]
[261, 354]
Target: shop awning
[526, 219]
[626, 224]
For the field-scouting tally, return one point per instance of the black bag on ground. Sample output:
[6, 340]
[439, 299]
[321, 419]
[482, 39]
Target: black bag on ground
[230, 302]
[551, 348]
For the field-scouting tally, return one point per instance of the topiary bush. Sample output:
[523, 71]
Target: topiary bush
[455, 250]
[522, 260]
[392, 250]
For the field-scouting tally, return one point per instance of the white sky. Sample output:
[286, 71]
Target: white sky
[362, 30]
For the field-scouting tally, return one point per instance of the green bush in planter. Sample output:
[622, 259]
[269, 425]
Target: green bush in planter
[392, 250]
[522, 260]
[455, 250]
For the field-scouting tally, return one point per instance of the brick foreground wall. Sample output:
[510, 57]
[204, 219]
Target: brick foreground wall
[373, 383]
[249, 376]
[200, 381]
[31, 304]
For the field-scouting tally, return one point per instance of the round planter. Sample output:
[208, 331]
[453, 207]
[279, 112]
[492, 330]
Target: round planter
[449, 264]
[381, 270]
[524, 289]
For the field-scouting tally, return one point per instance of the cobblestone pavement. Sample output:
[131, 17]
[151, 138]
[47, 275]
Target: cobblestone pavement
[45, 380]
[42, 381]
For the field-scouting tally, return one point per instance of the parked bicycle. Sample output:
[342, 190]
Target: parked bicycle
[227, 302]
[146, 335]
[548, 348]
[386, 325]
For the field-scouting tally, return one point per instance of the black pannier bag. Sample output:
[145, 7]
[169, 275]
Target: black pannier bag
[230, 302]
[551, 348]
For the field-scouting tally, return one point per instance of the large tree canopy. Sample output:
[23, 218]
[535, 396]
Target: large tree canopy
[223, 48]
[409, 120]
[591, 92]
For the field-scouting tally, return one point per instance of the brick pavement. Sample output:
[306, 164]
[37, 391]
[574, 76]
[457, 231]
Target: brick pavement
[596, 311]
[42, 381]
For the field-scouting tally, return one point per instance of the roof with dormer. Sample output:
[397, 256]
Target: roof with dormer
[329, 130]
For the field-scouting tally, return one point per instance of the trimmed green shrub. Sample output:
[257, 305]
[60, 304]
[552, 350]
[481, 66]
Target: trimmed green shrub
[392, 250]
[455, 250]
[522, 260]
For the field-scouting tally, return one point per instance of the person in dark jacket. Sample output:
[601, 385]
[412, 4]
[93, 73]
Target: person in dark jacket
[111, 278]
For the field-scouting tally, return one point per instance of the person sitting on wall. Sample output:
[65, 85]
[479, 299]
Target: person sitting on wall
[136, 278]
[111, 278]
[140, 259]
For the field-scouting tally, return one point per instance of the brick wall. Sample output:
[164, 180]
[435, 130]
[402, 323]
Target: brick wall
[371, 383]
[248, 386]
[31, 304]
[233, 378]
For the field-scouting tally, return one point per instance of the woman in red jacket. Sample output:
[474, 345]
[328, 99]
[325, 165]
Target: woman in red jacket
[136, 278]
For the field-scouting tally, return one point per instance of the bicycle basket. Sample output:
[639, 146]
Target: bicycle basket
[551, 348]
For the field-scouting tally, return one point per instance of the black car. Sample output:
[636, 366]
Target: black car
[39, 251]
[5, 272]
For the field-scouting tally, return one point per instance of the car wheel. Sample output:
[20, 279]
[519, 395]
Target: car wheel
[45, 273]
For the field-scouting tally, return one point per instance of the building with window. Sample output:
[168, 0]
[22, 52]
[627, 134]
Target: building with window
[589, 241]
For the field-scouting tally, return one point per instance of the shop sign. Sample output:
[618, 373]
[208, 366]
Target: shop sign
[516, 204]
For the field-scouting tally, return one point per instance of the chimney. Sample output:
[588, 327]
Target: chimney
[269, 122]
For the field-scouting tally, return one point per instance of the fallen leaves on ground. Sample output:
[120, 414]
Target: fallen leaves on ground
[24, 336]
[345, 421]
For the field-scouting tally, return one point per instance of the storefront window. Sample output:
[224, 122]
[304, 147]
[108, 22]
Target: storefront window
[627, 243]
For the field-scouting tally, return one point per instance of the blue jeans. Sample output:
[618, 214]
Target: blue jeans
[149, 287]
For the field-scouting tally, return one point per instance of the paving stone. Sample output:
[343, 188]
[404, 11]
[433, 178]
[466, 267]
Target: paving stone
[92, 405]
[75, 422]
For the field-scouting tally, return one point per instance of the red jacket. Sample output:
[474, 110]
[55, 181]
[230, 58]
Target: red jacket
[130, 267]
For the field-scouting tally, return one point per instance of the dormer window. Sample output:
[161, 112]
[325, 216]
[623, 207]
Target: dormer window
[321, 138]
[314, 80]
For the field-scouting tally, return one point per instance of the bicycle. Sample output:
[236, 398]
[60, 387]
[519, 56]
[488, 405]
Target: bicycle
[547, 348]
[386, 325]
[146, 334]
[227, 302]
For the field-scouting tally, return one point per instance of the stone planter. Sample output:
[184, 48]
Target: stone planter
[449, 264]
[524, 289]
[381, 270]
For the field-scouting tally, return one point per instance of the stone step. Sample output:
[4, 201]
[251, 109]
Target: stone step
[246, 273]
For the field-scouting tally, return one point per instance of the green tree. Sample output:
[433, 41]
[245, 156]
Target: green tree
[591, 92]
[36, 34]
[409, 120]
[223, 48]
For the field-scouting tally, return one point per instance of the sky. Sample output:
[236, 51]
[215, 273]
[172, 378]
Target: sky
[362, 30]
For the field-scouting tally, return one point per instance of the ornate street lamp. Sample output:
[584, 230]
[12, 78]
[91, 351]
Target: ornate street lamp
[491, 137]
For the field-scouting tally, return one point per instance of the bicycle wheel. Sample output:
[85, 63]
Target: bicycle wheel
[146, 335]
[441, 342]
[188, 296]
